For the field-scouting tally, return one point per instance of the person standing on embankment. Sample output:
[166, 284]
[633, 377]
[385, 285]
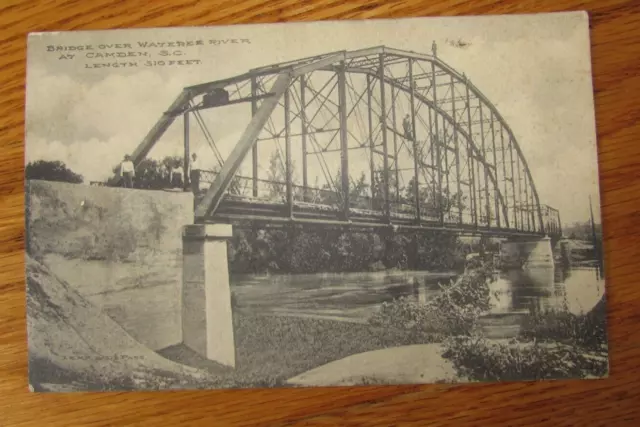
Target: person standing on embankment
[194, 175]
[127, 172]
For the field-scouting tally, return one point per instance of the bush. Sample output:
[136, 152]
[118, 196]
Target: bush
[454, 310]
[478, 359]
[308, 254]
[551, 344]
[588, 331]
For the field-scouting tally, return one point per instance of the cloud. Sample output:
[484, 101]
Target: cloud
[537, 79]
[92, 158]
[90, 127]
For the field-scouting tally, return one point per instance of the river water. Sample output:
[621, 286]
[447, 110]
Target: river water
[354, 297]
[351, 297]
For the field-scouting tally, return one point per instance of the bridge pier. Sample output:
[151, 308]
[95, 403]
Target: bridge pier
[565, 252]
[207, 322]
[526, 252]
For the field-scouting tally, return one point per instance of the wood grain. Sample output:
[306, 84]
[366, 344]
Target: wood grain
[614, 401]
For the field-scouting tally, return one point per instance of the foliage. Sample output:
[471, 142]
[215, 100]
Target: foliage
[276, 175]
[332, 194]
[453, 311]
[477, 358]
[588, 331]
[433, 202]
[300, 250]
[51, 171]
[150, 173]
[551, 344]
[308, 253]
[582, 231]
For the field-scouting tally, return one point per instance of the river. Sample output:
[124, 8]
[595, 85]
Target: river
[351, 297]
[354, 297]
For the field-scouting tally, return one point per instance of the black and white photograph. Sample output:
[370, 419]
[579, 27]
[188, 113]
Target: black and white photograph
[336, 203]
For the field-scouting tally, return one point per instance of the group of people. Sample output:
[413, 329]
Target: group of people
[175, 173]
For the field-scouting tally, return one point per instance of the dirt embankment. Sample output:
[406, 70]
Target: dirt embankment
[73, 345]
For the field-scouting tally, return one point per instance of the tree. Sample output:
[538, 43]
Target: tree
[276, 175]
[582, 231]
[433, 203]
[150, 174]
[378, 187]
[51, 171]
[331, 193]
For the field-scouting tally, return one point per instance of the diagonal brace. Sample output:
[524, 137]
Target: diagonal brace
[216, 192]
[177, 108]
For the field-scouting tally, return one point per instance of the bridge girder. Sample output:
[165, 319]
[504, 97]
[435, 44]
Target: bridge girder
[507, 207]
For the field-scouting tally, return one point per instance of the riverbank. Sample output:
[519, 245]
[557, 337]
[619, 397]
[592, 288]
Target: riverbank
[272, 349]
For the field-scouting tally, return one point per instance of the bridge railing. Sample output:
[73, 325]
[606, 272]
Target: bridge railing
[329, 201]
[274, 192]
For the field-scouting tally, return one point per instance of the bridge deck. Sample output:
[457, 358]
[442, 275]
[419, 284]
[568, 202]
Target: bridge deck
[241, 211]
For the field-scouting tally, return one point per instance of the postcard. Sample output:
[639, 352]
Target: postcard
[404, 201]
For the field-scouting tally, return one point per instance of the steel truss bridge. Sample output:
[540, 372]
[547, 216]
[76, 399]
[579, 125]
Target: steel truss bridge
[398, 139]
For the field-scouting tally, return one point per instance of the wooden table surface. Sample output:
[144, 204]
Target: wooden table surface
[614, 401]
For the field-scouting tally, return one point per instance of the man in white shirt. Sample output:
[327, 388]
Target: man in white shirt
[194, 175]
[127, 172]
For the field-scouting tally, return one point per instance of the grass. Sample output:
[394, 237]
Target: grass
[272, 349]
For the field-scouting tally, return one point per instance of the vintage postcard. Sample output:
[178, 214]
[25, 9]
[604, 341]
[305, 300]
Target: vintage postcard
[314, 204]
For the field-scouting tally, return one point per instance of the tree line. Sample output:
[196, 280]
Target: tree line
[302, 250]
[150, 173]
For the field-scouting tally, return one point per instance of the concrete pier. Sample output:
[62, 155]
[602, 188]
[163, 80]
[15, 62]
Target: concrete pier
[526, 253]
[565, 252]
[207, 322]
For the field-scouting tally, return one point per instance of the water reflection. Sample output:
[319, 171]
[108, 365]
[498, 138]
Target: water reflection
[547, 288]
[356, 296]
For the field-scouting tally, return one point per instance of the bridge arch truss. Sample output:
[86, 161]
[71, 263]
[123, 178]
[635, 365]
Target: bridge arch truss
[395, 137]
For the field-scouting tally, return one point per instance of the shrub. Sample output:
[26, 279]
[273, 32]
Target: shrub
[588, 331]
[308, 253]
[454, 310]
[551, 344]
[478, 359]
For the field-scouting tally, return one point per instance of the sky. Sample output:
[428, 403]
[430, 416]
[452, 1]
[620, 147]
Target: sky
[536, 70]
